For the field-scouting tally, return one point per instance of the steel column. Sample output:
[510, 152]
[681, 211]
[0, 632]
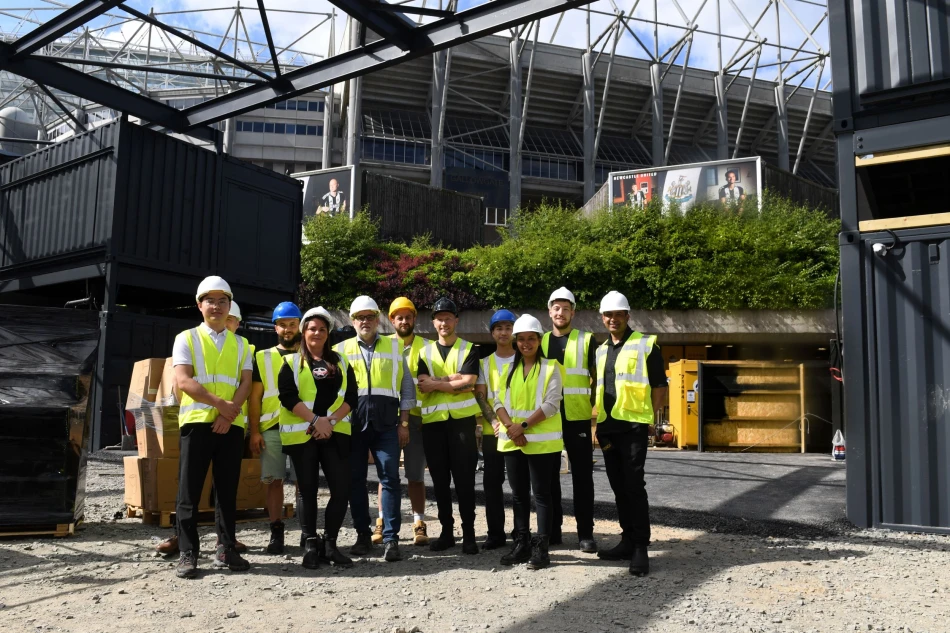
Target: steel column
[514, 129]
[656, 104]
[326, 158]
[722, 119]
[590, 132]
[353, 122]
[781, 125]
[440, 79]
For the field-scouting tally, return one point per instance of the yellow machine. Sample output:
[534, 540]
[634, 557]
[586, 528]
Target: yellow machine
[684, 402]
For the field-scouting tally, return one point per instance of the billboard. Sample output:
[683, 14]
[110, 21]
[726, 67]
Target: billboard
[328, 191]
[730, 182]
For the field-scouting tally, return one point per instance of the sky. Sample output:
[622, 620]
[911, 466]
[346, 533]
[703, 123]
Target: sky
[288, 25]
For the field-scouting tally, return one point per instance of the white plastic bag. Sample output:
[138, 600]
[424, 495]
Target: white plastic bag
[837, 447]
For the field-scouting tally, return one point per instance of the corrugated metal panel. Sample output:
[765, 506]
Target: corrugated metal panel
[899, 43]
[405, 209]
[909, 395]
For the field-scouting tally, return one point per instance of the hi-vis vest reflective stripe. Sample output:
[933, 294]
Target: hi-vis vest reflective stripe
[494, 373]
[522, 399]
[576, 374]
[269, 362]
[385, 372]
[438, 405]
[632, 383]
[412, 360]
[242, 418]
[293, 429]
[218, 372]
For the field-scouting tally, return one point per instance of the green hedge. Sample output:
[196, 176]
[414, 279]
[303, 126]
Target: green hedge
[784, 257]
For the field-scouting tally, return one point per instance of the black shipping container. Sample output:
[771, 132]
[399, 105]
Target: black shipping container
[145, 217]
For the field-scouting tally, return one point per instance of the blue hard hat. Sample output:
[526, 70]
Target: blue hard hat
[286, 310]
[501, 315]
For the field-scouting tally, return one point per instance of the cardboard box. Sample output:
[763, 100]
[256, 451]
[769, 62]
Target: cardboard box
[157, 432]
[251, 491]
[152, 484]
[134, 493]
[146, 377]
[168, 393]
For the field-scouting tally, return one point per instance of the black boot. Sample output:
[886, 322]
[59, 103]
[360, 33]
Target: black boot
[539, 553]
[333, 555]
[311, 556]
[276, 544]
[444, 542]
[640, 562]
[363, 544]
[469, 546]
[520, 552]
[494, 541]
[621, 551]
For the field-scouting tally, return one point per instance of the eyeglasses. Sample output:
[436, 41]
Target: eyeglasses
[363, 318]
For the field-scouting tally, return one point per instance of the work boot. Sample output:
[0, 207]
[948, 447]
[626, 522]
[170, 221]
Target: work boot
[333, 555]
[494, 541]
[640, 561]
[445, 541]
[391, 552]
[168, 547]
[587, 545]
[363, 545]
[520, 551]
[539, 553]
[311, 556]
[239, 547]
[420, 536]
[276, 544]
[378, 532]
[228, 558]
[556, 537]
[469, 546]
[621, 551]
[187, 565]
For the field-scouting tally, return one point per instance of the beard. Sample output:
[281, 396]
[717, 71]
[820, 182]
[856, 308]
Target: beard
[405, 330]
[291, 341]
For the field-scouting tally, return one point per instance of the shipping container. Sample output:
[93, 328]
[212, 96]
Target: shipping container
[124, 208]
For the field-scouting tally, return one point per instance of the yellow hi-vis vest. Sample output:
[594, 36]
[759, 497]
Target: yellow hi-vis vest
[269, 362]
[218, 372]
[494, 373]
[438, 406]
[631, 382]
[575, 374]
[293, 429]
[385, 372]
[521, 400]
[241, 420]
[412, 360]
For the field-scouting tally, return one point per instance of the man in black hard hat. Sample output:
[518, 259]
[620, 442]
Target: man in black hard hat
[448, 369]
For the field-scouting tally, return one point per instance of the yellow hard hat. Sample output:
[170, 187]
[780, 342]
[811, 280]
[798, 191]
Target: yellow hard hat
[399, 303]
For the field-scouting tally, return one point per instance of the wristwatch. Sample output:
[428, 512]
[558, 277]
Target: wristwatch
[332, 421]
[524, 425]
[405, 424]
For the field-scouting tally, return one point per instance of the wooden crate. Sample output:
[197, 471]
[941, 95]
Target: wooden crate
[763, 406]
[166, 519]
[59, 530]
[741, 434]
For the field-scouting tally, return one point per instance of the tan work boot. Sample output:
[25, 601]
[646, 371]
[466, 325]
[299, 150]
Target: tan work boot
[378, 532]
[168, 547]
[419, 533]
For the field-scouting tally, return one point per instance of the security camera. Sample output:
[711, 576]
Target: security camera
[880, 249]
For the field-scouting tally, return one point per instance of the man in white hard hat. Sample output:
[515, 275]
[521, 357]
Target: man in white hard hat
[213, 372]
[631, 385]
[574, 350]
[380, 424]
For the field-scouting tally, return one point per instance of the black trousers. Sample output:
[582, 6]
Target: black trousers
[527, 474]
[493, 479]
[452, 455]
[580, 450]
[625, 456]
[333, 455]
[201, 449]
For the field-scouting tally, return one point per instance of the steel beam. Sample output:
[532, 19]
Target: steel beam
[466, 26]
[390, 25]
[514, 129]
[440, 78]
[326, 158]
[722, 119]
[353, 110]
[72, 18]
[590, 131]
[656, 107]
[781, 124]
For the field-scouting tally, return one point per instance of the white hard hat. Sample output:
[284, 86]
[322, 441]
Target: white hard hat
[320, 312]
[563, 294]
[527, 323]
[362, 303]
[235, 311]
[612, 301]
[212, 283]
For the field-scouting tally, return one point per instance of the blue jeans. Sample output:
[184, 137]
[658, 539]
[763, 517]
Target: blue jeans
[384, 446]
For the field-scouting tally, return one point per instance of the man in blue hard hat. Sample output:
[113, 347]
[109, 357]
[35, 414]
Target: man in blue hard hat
[492, 372]
[263, 414]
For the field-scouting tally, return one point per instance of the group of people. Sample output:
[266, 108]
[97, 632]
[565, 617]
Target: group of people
[327, 406]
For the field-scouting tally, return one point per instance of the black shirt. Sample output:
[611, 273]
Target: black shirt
[256, 373]
[557, 345]
[469, 366]
[656, 374]
[328, 386]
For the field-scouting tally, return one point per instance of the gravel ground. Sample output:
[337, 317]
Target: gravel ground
[107, 578]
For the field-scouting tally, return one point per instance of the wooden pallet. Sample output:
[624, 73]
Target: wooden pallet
[60, 530]
[165, 519]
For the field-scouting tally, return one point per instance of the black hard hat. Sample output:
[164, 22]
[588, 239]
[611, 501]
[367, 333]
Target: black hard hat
[444, 304]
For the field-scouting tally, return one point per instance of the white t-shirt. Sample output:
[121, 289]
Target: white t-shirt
[181, 353]
[502, 364]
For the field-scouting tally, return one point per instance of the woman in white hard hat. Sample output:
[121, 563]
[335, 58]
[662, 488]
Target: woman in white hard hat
[528, 426]
[317, 390]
